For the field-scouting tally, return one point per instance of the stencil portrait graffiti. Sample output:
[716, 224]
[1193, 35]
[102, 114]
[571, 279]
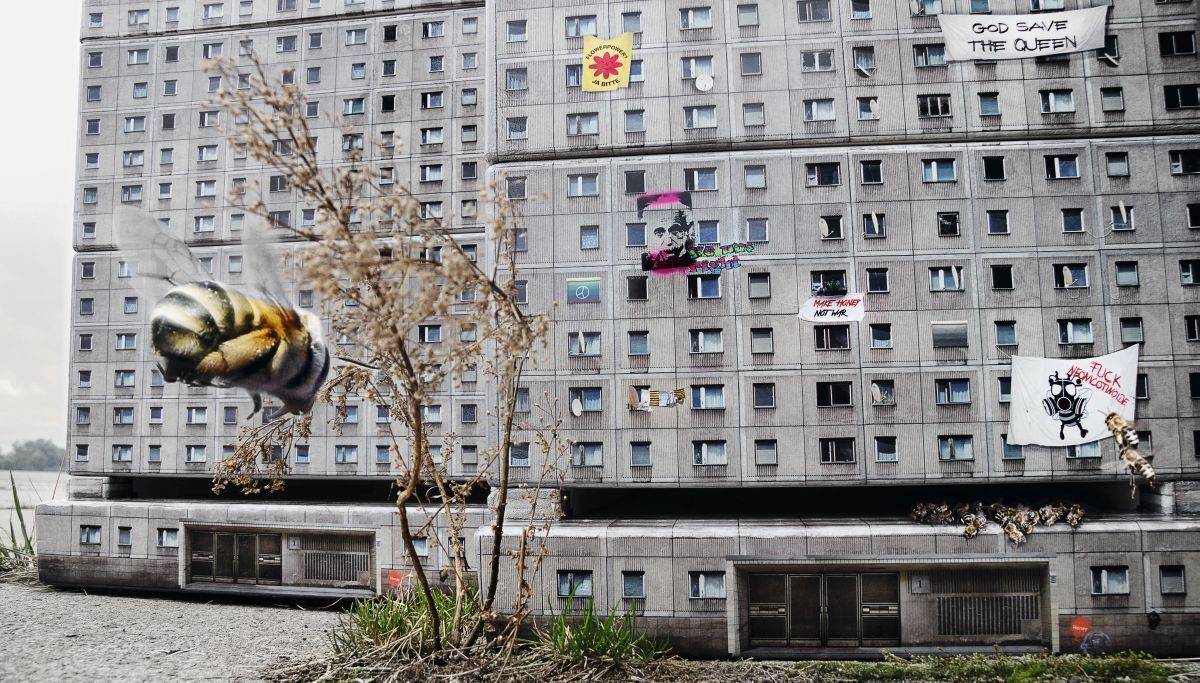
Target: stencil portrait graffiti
[1066, 401]
[670, 231]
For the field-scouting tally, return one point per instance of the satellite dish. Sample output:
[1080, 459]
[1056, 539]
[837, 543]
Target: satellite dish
[825, 231]
[576, 407]
[876, 394]
[864, 70]
[1066, 277]
[1124, 211]
[704, 82]
[633, 399]
[1113, 60]
[917, 8]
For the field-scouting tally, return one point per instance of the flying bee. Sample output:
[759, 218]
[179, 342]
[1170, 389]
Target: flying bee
[208, 333]
[1127, 441]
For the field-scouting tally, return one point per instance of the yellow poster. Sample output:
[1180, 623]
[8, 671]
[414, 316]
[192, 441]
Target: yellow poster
[606, 62]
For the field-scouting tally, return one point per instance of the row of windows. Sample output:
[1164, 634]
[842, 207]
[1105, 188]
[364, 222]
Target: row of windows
[89, 534]
[867, 108]
[706, 452]
[871, 172]
[468, 413]
[140, 18]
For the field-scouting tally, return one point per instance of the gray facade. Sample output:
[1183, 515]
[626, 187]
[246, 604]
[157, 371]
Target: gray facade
[1045, 208]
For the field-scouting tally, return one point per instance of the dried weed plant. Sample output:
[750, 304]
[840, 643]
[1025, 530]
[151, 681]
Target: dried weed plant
[386, 267]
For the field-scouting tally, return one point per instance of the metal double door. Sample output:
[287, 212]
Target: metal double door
[824, 610]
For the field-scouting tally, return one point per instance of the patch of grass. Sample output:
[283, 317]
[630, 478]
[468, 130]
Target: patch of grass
[1137, 666]
[590, 637]
[18, 562]
[400, 622]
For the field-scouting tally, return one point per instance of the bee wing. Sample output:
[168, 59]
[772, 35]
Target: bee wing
[160, 260]
[261, 264]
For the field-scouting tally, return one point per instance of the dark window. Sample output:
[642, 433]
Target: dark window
[877, 280]
[832, 337]
[1181, 96]
[635, 182]
[635, 288]
[1002, 276]
[993, 168]
[764, 395]
[833, 394]
[837, 451]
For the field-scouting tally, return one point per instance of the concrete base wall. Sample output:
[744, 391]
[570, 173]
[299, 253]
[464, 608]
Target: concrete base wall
[94, 571]
[1177, 635]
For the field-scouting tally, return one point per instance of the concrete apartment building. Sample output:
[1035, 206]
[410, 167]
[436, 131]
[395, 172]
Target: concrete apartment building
[1041, 207]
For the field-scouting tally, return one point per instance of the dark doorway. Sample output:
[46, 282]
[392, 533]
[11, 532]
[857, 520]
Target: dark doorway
[235, 558]
[824, 610]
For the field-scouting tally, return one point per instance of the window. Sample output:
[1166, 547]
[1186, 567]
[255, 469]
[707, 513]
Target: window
[93, 94]
[1117, 164]
[81, 452]
[587, 454]
[1185, 162]
[1112, 99]
[1191, 325]
[1189, 272]
[583, 124]
[126, 341]
[949, 334]
[135, 124]
[343, 454]
[929, 55]
[1004, 389]
[706, 286]
[1178, 97]
[1059, 166]
[870, 172]
[1001, 276]
[83, 416]
[635, 121]
[87, 306]
[747, 14]
[131, 305]
[1131, 331]
[837, 451]
[429, 334]
[639, 453]
[633, 585]
[1075, 331]
[947, 224]
[834, 394]
[938, 171]
[877, 280]
[706, 585]
[123, 378]
[753, 114]
[89, 534]
[926, 7]
[953, 391]
[823, 174]
[708, 397]
[868, 108]
[756, 176]
[194, 453]
[429, 100]
[709, 232]
[762, 340]
[818, 60]
[590, 398]
[946, 279]
[832, 337]
[885, 449]
[764, 395]
[1127, 273]
[1176, 43]
[756, 229]
[631, 22]
[132, 57]
[956, 448]
[639, 343]
[1072, 220]
[709, 453]
[583, 185]
[516, 32]
[92, 126]
[577, 27]
[636, 288]
[933, 106]
[812, 10]
[759, 285]
[830, 227]
[95, 20]
[1171, 580]
[874, 225]
[139, 17]
[1070, 275]
[1058, 101]
[167, 538]
[583, 344]
[818, 110]
[1006, 333]
[695, 18]
[881, 335]
[356, 36]
[700, 117]
[989, 104]
[1110, 580]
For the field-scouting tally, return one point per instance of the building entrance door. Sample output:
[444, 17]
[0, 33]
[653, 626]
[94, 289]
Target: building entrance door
[824, 610]
[235, 558]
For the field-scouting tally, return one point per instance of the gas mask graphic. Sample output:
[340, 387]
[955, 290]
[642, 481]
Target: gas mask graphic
[1066, 401]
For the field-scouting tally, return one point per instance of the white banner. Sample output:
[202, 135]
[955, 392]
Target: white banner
[1063, 401]
[833, 308]
[1020, 36]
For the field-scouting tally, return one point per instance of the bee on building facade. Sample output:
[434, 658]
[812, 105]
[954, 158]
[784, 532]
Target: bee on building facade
[208, 333]
[1127, 441]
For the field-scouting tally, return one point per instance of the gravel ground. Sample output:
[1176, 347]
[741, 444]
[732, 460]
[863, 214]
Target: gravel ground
[58, 635]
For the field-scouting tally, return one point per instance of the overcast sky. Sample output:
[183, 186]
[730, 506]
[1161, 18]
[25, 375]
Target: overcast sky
[40, 49]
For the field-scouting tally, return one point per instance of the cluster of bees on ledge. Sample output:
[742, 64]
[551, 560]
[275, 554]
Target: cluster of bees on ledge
[1016, 522]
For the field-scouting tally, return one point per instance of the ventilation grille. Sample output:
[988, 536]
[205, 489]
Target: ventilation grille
[978, 615]
[967, 581]
[336, 544]
[334, 567]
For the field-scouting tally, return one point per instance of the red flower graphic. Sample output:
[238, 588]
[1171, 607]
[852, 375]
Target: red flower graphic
[605, 65]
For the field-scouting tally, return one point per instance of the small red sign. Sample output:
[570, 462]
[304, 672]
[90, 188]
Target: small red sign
[1080, 627]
